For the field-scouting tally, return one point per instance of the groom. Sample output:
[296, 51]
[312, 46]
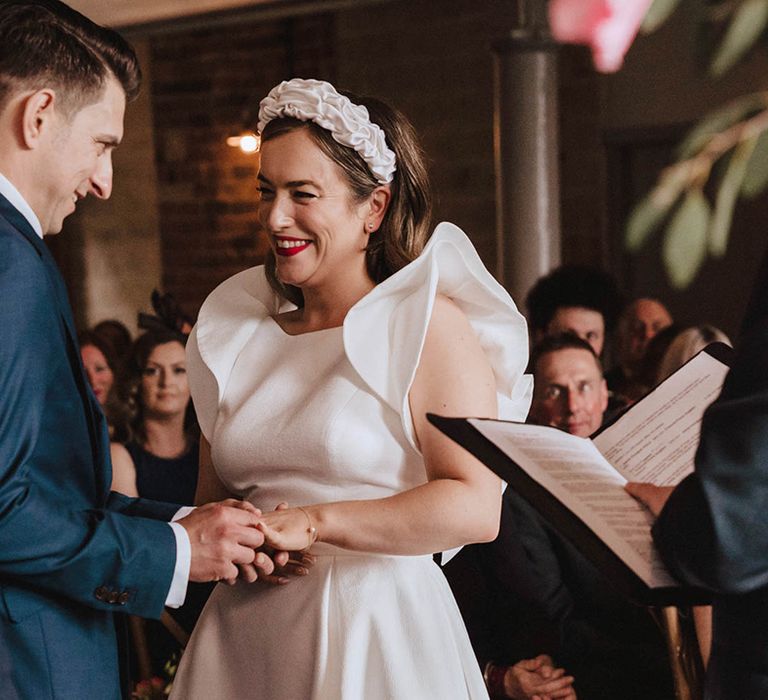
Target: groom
[71, 552]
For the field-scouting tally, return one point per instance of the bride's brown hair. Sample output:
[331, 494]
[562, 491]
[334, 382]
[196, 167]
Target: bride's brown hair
[406, 226]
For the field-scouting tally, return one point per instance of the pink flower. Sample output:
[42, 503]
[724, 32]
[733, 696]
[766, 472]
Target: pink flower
[607, 26]
[150, 689]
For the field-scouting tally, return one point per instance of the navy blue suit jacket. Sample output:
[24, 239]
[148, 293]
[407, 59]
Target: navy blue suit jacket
[71, 552]
[531, 592]
[713, 531]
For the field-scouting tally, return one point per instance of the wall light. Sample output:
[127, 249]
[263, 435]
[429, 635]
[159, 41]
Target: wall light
[247, 142]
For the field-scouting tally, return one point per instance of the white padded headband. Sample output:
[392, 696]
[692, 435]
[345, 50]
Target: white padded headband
[349, 124]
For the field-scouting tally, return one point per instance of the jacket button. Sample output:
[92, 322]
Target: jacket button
[124, 597]
[101, 593]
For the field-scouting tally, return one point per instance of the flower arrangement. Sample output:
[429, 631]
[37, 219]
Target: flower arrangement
[157, 688]
[150, 689]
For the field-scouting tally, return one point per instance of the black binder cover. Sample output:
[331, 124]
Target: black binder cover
[564, 521]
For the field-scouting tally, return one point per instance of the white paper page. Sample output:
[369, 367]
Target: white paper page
[574, 471]
[656, 439]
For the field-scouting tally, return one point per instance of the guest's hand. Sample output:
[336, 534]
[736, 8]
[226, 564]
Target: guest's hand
[538, 679]
[651, 496]
[289, 529]
[223, 535]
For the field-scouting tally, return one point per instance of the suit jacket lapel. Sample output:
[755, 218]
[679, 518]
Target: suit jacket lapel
[14, 217]
[17, 220]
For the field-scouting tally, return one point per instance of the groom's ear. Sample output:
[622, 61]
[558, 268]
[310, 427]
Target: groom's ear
[38, 118]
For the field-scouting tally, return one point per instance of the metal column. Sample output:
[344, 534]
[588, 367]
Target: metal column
[526, 160]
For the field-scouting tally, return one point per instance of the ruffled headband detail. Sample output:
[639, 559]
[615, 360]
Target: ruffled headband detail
[349, 124]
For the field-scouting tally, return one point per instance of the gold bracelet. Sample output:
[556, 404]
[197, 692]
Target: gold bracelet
[311, 530]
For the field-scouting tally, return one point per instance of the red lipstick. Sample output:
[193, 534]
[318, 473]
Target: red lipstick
[287, 247]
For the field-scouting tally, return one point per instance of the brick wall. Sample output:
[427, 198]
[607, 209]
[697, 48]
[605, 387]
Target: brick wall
[432, 60]
[204, 84]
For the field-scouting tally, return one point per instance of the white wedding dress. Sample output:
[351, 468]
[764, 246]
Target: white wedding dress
[323, 417]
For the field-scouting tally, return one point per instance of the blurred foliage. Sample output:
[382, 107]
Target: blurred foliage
[728, 148]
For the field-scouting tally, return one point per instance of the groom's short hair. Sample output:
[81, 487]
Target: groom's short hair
[45, 43]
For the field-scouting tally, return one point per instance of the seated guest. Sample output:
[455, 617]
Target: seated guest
[168, 315]
[648, 374]
[639, 322]
[505, 618]
[117, 335]
[102, 371]
[531, 592]
[575, 299]
[685, 344]
[569, 391]
[581, 300]
[99, 364]
[160, 462]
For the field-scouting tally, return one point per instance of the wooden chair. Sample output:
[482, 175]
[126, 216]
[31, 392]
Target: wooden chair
[138, 632]
[685, 652]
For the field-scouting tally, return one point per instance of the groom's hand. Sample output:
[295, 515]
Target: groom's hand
[256, 571]
[222, 536]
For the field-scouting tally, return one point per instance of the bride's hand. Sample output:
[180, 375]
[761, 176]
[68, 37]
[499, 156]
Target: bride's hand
[287, 564]
[290, 529]
[268, 565]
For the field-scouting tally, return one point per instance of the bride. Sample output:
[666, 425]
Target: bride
[312, 377]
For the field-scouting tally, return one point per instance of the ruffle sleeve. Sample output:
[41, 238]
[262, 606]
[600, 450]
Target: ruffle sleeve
[384, 332]
[227, 319]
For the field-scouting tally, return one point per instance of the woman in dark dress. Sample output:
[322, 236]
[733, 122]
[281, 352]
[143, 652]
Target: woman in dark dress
[160, 459]
[160, 462]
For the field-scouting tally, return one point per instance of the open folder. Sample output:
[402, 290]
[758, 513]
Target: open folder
[576, 484]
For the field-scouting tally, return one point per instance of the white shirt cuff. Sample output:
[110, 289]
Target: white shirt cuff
[178, 590]
[182, 512]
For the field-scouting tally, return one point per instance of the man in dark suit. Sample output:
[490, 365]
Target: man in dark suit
[712, 529]
[6, 679]
[531, 592]
[71, 552]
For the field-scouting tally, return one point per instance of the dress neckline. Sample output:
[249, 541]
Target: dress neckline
[299, 335]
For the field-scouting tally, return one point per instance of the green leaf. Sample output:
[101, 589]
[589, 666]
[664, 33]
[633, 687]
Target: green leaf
[727, 193]
[651, 211]
[685, 243]
[657, 14]
[756, 176]
[747, 24]
[720, 120]
[643, 221]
